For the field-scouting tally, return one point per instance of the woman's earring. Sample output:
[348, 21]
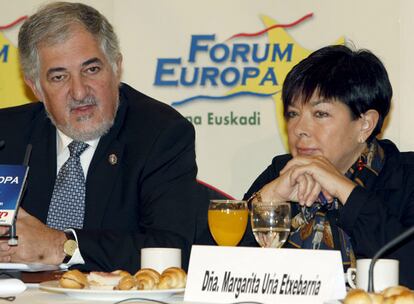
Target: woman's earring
[360, 164]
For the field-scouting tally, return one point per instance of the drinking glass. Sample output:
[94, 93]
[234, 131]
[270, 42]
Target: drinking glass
[270, 223]
[227, 220]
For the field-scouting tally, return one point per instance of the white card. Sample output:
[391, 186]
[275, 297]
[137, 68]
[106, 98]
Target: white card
[228, 274]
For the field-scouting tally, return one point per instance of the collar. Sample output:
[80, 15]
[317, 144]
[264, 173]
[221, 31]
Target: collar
[392, 176]
[62, 141]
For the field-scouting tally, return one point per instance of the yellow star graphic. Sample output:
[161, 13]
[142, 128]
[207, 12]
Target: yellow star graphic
[281, 66]
[13, 90]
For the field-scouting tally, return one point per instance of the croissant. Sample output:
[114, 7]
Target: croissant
[127, 282]
[394, 291]
[357, 296]
[172, 278]
[73, 279]
[147, 279]
[121, 273]
[391, 295]
[376, 298]
[405, 297]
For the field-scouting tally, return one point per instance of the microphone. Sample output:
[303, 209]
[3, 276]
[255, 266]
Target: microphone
[27, 155]
[380, 252]
[13, 238]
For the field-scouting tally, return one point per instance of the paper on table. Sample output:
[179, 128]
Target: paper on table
[28, 267]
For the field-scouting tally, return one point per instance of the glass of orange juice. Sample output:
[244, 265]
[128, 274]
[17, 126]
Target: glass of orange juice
[227, 220]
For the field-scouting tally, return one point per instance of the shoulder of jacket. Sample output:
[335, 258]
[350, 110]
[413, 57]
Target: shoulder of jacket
[407, 158]
[280, 161]
[141, 104]
[26, 108]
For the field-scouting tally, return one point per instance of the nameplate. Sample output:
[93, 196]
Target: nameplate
[12, 180]
[232, 274]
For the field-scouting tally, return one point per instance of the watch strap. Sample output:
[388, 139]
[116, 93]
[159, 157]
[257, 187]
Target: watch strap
[256, 195]
[70, 241]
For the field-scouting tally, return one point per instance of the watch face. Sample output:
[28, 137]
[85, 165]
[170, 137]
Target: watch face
[69, 247]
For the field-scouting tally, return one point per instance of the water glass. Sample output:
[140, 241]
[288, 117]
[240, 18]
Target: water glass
[270, 223]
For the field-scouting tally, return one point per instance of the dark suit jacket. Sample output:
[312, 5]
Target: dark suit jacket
[147, 199]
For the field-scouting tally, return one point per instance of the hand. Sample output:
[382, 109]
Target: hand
[305, 190]
[4, 247]
[332, 182]
[37, 243]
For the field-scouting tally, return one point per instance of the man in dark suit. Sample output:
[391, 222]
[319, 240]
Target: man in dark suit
[138, 157]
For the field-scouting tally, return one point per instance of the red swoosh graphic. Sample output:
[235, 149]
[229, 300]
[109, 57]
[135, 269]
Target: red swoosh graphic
[3, 27]
[271, 28]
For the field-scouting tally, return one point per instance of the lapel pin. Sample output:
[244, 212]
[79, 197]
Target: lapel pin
[113, 160]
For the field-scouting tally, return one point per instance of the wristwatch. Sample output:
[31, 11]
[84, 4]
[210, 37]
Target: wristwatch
[257, 195]
[69, 246]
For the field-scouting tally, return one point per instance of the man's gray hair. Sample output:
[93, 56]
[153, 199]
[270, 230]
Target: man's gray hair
[52, 24]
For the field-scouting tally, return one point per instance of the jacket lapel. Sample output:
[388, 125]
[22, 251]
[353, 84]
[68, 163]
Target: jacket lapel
[42, 168]
[100, 183]
[103, 171]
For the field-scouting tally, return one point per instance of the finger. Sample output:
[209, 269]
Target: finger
[22, 213]
[304, 182]
[297, 171]
[328, 196]
[313, 196]
[296, 161]
[301, 182]
[5, 259]
[310, 194]
[310, 185]
[5, 252]
[319, 161]
[292, 179]
[4, 247]
[4, 230]
[299, 185]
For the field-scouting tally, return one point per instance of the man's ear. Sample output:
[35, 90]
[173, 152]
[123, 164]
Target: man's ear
[369, 122]
[34, 89]
[119, 67]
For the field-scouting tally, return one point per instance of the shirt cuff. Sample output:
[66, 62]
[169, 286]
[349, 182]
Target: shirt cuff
[77, 256]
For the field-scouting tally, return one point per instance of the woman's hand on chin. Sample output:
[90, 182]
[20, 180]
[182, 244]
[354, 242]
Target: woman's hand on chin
[332, 183]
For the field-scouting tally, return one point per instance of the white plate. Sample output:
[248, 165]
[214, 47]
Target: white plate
[108, 295]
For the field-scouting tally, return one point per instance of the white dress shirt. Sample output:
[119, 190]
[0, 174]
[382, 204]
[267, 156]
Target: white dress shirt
[62, 150]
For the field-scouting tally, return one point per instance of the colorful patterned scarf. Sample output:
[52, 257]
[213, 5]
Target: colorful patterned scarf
[311, 226]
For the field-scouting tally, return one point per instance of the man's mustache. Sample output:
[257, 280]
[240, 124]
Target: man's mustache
[87, 101]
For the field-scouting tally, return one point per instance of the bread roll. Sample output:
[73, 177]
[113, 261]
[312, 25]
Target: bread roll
[73, 279]
[376, 298]
[172, 278]
[103, 280]
[405, 297]
[391, 295]
[357, 296]
[389, 300]
[147, 279]
[121, 273]
[394, 290]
